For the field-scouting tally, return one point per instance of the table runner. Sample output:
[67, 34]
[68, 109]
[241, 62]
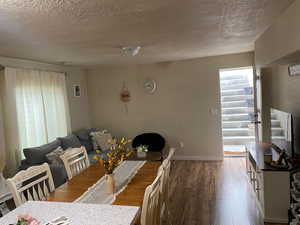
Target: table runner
[123, 174]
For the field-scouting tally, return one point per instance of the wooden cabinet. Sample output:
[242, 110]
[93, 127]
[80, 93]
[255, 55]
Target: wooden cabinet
[271, 188]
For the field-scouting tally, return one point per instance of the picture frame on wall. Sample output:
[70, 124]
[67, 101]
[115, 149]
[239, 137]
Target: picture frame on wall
[77, 91]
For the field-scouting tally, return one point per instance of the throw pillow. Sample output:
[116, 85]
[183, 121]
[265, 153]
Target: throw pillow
[54, 157]
[101, 140]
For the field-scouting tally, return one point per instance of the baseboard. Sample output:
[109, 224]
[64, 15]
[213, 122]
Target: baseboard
[276, 220]
[198, 157]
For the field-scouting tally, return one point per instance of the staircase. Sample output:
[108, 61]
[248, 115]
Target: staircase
[237, 108]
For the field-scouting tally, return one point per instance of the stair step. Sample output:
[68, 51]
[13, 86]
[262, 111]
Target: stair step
[233, 92]
[236, 124]
[235, 132]
[235, 117]
[238, 110]
[234, 86]
[234, 148]
[278, 138]
[235, 98]
[231, 104]
[233, 77]
[277, 131]
[237, 140]
[275, 123]
[234, 81]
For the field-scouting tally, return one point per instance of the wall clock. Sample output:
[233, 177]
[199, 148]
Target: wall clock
[150, 86]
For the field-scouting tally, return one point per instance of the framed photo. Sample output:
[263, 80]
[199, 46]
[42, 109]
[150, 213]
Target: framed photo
[77, 91]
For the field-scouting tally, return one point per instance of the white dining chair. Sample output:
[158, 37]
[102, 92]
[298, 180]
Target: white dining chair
[151, 203]
[75, 160]
[33, 184]
[165, 184]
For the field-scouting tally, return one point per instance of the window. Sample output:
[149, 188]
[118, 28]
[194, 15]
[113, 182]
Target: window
[41, 105]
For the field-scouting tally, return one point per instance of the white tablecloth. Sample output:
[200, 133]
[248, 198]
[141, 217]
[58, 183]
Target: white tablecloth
[79, 214]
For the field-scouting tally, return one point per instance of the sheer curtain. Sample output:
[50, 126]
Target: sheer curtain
[39, 101]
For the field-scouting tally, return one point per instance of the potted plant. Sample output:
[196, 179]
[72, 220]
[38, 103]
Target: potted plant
[142, 151]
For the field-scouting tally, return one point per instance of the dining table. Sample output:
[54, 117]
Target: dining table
[74, 213]
[132, 195]
[127, 201]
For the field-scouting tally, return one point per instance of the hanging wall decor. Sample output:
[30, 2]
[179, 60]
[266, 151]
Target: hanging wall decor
[125, 96]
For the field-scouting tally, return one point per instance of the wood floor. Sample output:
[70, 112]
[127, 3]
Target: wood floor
[212, 193]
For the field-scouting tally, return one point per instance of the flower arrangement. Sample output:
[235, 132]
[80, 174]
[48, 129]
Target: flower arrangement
[26, 220]
[119, 151]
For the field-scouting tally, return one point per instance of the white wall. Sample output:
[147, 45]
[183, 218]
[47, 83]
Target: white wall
[180, 109]
[79, 109]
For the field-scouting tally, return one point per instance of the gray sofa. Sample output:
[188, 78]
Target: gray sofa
[37, 155]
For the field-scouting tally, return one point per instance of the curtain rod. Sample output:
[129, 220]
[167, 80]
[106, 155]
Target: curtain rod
[3, 67]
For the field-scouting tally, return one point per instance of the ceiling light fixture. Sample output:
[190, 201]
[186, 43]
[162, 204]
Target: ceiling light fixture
[131, 50]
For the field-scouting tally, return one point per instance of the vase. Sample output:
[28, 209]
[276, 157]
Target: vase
[141, 153]
[110, 183]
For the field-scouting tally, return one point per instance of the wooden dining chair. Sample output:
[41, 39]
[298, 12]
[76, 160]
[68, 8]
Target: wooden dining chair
[75, 160]
[151, 204]
[33, 184]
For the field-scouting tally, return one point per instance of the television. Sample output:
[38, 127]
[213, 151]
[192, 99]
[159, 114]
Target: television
[282, 133]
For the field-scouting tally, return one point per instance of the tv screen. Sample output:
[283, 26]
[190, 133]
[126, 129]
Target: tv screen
[282, 130]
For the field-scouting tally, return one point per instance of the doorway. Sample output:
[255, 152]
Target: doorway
[238, 109]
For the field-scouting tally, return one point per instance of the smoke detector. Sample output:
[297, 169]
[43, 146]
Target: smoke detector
[131, 50]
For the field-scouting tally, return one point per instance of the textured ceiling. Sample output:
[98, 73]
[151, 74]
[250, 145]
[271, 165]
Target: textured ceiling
[91, 32]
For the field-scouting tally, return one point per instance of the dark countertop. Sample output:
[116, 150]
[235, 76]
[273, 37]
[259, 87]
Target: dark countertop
[258, 155]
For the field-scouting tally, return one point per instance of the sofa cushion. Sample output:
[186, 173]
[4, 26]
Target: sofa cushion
[70, 141]
[37, 155]
[85, 139]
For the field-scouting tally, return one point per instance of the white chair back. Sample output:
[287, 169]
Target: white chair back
[164, 195]
[151, 204]
[33, 184]
[75, 160]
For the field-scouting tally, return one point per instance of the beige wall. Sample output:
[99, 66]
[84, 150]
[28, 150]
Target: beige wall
[182, 108]
[79, 109]
[281, 42]
[2, 140]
